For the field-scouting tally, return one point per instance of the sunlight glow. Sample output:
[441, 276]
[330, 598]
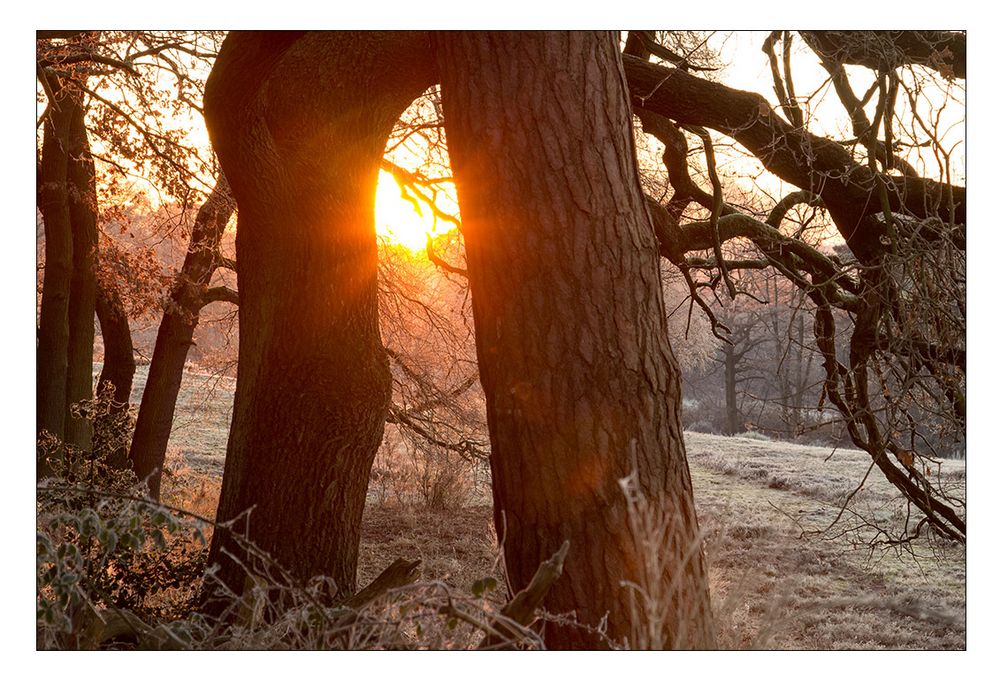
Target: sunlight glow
[403, 221]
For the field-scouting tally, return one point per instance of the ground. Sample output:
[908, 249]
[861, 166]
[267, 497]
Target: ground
[778, 580]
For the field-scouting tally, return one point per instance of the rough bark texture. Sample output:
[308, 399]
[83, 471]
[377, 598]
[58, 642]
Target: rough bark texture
[118, 370]
[53, 322]
[174, 337]
[300, 125]
[581, 384]
[82, 197]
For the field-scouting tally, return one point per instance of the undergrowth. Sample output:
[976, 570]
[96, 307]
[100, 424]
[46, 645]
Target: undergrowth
[118, 571]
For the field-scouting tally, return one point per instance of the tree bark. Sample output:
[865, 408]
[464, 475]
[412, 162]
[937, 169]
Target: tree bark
[82, 197]
[581, 385]
[943, 51]
[175, 337]
[53, 322]
[118, 371]
[300, 125]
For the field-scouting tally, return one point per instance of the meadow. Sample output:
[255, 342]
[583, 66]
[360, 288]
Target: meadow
[784, 575]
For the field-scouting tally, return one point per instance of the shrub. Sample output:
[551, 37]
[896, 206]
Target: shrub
[105, 549]
[755, 435]
[412, 471]
[101, 547]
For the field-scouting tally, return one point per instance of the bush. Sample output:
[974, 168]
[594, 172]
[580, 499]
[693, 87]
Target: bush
[755, 435]
[101, 547]
[412, 471]
[105, 549]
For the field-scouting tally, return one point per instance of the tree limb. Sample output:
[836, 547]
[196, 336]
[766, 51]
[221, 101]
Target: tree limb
[220, 294]
[521, 609]
[808, 161]
[400, 573]
[943, 51]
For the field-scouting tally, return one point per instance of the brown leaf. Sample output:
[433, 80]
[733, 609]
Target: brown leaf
[905, 457]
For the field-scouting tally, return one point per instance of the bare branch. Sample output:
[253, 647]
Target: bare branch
[795, 155]
[713, 174]
[441, 262]
[943, 51]
[220, 294]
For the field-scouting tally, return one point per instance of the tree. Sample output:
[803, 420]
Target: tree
[300, 124]
[581, 386]
[83, 284]
[117, 370]
[67, 201]
[734, 369]
[175, 336]
[75, 70]
[295, 173]
[53, 323]
[904, 286]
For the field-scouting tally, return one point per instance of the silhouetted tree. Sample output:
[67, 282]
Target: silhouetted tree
[191, 291]
[300, 125]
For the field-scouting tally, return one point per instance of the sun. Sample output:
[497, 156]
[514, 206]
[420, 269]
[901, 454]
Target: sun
[404, 222]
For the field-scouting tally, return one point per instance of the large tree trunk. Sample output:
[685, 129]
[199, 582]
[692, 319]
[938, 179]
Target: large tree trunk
[53, 322]
[300, 126]
[82, 196]
[175, 337]
[581, 385]
[117, 370]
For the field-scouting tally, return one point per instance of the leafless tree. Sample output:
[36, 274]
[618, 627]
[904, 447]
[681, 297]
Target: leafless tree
[902, 289]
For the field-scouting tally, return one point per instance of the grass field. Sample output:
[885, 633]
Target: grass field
[779, 581]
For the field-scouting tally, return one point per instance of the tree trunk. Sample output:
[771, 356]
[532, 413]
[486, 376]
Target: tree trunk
[300, 125]
[581, 385]
[174, 338]
[118, 370]
[53, 322]
[82, 196]
[801, 376]
[733, 424]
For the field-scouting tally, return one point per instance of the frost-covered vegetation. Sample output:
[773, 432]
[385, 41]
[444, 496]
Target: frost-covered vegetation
[123, 573]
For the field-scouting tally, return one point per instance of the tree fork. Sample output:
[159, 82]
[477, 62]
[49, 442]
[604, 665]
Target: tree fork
[300, 124]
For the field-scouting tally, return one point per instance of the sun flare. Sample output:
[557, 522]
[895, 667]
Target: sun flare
[403, 221]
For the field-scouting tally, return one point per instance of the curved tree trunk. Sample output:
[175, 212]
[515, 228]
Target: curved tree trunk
[581, 385]
[118, 370]
[83, 288]
[174, 337]
[53, 322]
[300, 126]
